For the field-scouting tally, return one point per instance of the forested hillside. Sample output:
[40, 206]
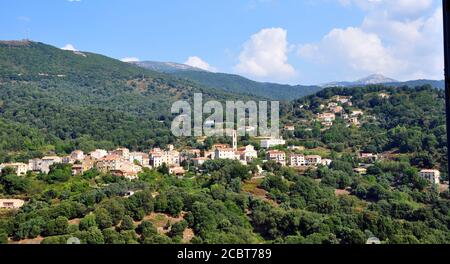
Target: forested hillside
[57, 101]
[65, 100]
[236, 84]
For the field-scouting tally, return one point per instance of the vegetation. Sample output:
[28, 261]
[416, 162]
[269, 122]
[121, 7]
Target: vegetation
[100, 102]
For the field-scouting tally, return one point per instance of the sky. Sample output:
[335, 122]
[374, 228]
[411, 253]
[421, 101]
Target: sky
[283, 41]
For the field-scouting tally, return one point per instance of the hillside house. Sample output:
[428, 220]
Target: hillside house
[433, 176]
[20, 168]
[272, 142]
[277, 156]
[11, 203]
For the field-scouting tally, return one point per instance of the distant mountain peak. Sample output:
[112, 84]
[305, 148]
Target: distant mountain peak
[375, 79]
[166, 67]
[371, 79]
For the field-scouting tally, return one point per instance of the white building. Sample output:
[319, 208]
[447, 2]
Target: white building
[11, 203]
[170, 157]
[118, 166]
[20, 168]
[225, 153]
[313, 160]
[326, 117]
[122, 152]
[273, 142]
[433, 176]
[43, 165]
[77, 155]
[247, 153]
[357, 113]
[297, 160]
[277, 156]
[140, 157]
[289, 127]
[98, 153]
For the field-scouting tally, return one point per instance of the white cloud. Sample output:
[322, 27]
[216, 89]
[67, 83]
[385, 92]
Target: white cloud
[72, 1]
[401, 39]
[197, 62]
[69, 47]
[265, 56]
[360, 52]
[130, 59]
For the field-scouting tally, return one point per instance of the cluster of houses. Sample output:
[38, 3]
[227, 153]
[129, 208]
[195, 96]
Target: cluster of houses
[296, 160]
[334, 108]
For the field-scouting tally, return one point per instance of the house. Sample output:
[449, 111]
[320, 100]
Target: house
[342, 99]
[326, 117]
[179, 171]
[356, 113]
[108, 163]
[122, 152]
[77, 169]
[353, 121]
[127, 170]
[191, 153]
[247, 153]
[337, 109]
[98, 154]
[368, 156]
[289, 128]
[297, 160]
[139, 157]
[85, 165]
[77, 155]
[277, 156]
[19, 168]
[433, 176]
[169, 157]
[225, 153]
[43, 165]
[272, 142]
[384, 95]
[313, 160]
[11, 203]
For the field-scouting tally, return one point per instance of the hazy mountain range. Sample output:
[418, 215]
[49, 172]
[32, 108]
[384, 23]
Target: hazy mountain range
[237, 84]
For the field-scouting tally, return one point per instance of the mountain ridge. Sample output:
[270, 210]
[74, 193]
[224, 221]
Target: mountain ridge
[375, 79]
[237, 84]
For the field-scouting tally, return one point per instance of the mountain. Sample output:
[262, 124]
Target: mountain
[371, 79]
[381, 79]
[233, 83]
[434, 83]
[166, 67]
[66, 100]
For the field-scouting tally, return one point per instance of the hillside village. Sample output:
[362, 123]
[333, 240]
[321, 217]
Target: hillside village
[129, 164]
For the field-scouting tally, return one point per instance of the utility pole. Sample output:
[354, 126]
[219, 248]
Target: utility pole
[446, 10]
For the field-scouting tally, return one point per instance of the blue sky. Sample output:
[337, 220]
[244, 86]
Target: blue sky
[286, 41]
